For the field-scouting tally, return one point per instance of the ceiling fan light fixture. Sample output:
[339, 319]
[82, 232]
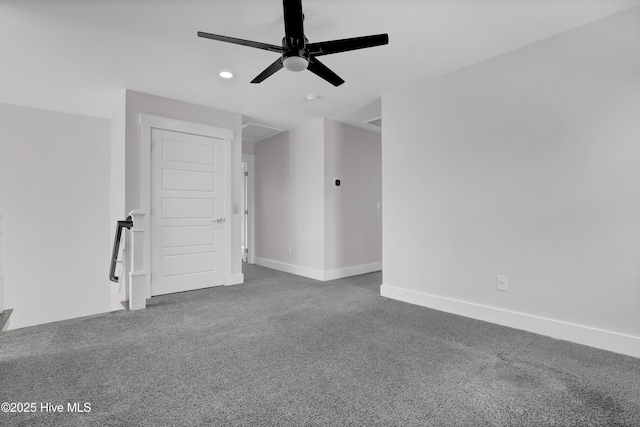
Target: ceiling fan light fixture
[296, 53]
[295, 63]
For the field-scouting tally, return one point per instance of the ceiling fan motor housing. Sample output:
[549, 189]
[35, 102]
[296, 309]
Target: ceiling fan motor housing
[295, 59]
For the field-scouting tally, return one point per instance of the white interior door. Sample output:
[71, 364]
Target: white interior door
[187, 212]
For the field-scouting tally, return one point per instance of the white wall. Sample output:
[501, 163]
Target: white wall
[54, 195]
[306, 190]
[271, 198]
[247, 147]
[289, 198]
[353, 222]
[333, 232]
[526, 165]
[118, 189]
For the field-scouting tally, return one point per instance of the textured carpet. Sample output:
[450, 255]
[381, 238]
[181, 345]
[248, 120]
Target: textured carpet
[286, 350]
[4, 317]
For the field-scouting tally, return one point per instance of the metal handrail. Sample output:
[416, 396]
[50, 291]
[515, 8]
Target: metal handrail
[128, 223]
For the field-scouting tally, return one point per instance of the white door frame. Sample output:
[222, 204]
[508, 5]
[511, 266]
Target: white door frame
[148, 122]
[250, 159]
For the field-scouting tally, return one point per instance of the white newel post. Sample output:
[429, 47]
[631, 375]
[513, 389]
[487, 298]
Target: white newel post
[1, 276]
[137, 275]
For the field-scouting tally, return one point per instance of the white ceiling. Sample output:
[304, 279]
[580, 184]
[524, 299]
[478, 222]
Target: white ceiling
[77, 56]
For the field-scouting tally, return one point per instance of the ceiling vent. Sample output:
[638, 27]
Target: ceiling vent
[253, 132]
[375, 122]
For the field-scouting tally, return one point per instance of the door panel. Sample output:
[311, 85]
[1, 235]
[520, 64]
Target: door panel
[174, 207]
[187, 194]
[175, 265]
[173, 179]
[188, 236]
[188, 152]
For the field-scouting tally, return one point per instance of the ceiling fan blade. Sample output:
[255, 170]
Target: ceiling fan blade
[293, 18]
[321, 70]
[257, 45]
[277, 65]
[343, 45]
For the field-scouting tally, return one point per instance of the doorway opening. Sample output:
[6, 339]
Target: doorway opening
[247, 221]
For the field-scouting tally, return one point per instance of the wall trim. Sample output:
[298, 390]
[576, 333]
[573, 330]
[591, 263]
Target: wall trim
[166, 123]
[598, 338]
[290, 268]
[352, 271]
[320, 275]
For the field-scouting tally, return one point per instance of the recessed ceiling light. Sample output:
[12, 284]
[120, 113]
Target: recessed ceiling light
[312, 97]
[226, 74]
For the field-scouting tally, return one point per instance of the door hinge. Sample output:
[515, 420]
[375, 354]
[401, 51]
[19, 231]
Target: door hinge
[246, 211]
[246, 250]
[246, 173]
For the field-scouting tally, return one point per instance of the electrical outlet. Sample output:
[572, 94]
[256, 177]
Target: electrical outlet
[501, 283]
[289, 250]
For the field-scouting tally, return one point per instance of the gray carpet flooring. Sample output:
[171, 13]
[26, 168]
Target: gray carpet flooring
[4, 317]
[286, 350]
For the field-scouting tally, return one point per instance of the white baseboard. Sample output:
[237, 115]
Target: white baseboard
[235, 279]
[290, 268]
[352, 271]
[319, 274]
[598, 338]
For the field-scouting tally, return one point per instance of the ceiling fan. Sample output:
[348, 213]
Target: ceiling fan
[296, 52]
